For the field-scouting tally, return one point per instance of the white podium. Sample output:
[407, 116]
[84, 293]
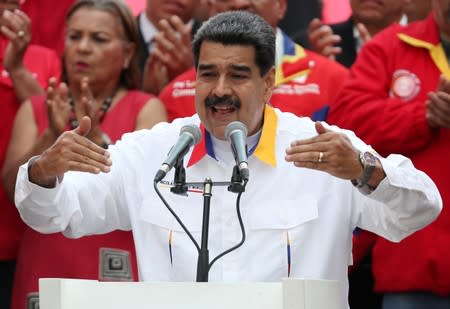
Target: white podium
[288, 294]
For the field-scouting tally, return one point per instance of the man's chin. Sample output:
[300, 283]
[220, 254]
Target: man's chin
[370, 17]
[217, 129]
[218, 132]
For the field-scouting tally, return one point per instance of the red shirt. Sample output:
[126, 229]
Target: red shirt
[48, 22]
[383, 101]
[43, 63]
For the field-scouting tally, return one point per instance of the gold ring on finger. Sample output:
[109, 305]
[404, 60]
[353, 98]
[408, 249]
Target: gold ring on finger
[320, 160]
[20, 33]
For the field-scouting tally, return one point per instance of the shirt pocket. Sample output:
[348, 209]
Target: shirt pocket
[282, 214]
[170, 238]
[160, 216]
[279, 229]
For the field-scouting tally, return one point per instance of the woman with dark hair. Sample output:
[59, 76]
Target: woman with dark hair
[100, 75]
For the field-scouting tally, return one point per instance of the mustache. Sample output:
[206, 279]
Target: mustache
[212, 101]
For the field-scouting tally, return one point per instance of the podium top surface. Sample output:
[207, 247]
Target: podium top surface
[288, 294]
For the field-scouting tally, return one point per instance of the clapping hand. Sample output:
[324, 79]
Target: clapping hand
[438, 105]
[17, 29]
[58, 108]
[88, 107]
[323, 40]
[171, 54]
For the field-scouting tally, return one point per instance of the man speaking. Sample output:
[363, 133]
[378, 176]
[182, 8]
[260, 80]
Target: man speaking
[310, 184]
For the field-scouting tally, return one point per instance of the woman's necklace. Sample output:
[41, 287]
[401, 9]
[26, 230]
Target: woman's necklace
[104, 109]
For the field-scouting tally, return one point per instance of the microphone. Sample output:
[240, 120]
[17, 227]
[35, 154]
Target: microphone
[189, 136]
[236, 133]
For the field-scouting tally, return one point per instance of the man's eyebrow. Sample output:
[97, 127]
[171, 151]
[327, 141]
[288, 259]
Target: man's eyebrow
[206, 66]
[242, 68]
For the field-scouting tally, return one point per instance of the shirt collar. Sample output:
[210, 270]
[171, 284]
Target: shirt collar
[357, 38]
[425, 34]
[278, 47]
[403, 20]
[148, 29]
[265, 149]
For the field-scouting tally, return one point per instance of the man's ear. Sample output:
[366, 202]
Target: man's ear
[269, 81]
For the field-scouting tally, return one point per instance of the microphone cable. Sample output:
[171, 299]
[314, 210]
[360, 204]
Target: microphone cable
[241, 224]
[155, 186]
[238, 211]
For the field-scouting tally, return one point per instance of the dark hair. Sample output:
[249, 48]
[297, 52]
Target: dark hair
[239, 28]
[130, 77]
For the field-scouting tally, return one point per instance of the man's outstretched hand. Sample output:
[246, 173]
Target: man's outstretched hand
[329, 151]
[72, 151]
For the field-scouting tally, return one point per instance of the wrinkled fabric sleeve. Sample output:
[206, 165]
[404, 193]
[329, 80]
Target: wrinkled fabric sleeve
[82, 203]
[405, 201]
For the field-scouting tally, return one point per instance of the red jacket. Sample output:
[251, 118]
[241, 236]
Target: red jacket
[383, 101]
[306, 83]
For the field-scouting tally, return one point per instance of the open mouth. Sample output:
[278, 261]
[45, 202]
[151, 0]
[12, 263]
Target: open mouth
[223, 109]
[222, 105]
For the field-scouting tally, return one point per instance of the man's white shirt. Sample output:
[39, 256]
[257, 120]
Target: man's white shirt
[311, 213]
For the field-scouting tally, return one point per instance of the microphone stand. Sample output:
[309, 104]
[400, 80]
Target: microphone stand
[203, 254]
[236, 181]
[179, 180]
[236, 185]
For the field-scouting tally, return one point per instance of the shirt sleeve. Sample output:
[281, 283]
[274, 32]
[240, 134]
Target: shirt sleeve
[86, 204]
[61, 209]
[83, 203]
[405, 201]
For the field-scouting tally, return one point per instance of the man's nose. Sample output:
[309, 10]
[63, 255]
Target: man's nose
[222, 88]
